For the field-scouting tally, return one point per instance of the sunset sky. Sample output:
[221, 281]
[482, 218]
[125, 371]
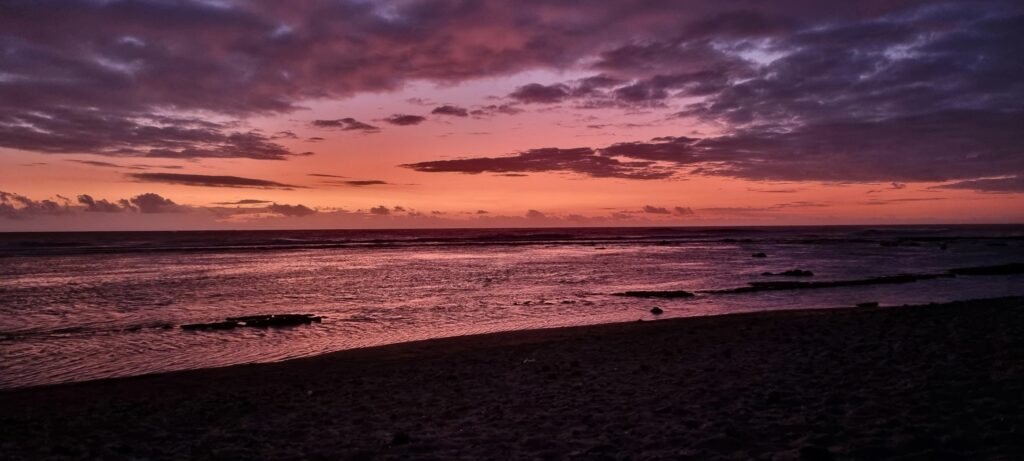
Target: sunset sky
[223, 114]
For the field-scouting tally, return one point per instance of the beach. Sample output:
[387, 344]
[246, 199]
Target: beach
[940, 381]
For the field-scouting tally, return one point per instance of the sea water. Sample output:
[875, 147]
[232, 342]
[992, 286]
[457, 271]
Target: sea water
[80, 306]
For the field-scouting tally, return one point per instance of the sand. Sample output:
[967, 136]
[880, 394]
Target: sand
[928, 382]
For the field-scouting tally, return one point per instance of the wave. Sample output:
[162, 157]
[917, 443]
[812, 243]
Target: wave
[73, 243]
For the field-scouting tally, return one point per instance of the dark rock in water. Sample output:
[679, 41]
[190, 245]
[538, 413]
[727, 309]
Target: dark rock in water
[210, 326]
[400, 438]
[790, 285]
[258, 321]
[900, 243]
[791, 273]
[657, 294]
[758, 255]
[815, 453]
[275, 320]
[656, 311]
[1003, 269]
[870, 304]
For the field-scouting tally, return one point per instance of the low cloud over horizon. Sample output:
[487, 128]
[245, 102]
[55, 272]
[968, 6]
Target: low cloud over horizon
[18, 207]
[21, 212]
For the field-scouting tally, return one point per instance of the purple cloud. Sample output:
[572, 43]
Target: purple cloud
[454, 111]
[346, 124]
[152, 203]
[366, 182]
[655, 210]
[16, 206]
[209, 181]
[106, 164]
[833, 91]
[64, 130]
[579, 160]
[925, 147]
[290, 210]
[405, 120]
[99, 206]
[496, 109]
[1010, 184]
[247, 201]
[535, 93]
[337, 180]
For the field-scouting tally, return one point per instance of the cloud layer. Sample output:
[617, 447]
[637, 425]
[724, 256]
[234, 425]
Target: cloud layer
[871, 90]
[18, 207]
[928, 93]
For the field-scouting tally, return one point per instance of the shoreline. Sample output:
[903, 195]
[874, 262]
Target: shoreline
[705, 386]
[459, 343]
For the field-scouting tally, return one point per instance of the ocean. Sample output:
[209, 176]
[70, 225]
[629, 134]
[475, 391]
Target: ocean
[81, 306]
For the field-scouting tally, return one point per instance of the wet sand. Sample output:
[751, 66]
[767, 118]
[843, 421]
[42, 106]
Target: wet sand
[928, 382]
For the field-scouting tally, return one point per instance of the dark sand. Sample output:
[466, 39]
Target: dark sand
[931, 382]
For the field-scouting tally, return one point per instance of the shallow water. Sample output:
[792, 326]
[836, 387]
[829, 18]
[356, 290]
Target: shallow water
[81, 306]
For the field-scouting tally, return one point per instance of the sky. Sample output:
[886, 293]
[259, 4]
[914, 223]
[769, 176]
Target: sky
[222, 114]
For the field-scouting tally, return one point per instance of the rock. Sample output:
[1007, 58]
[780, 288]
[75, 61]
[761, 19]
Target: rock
[258, 321]
[792, 285]
[900, 243]
[210, 326]
[275, 320]
[791, 273]
[400, 438]
[870, 304]
[656, 311]
[658, 294]
[758, 255]
[816, 453]
[1003, 269]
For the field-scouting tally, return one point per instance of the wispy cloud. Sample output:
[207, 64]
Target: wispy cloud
[209, 181]
[405, 119]
[346, 124]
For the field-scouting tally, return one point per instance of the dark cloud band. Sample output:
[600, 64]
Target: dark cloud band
[209, 181]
